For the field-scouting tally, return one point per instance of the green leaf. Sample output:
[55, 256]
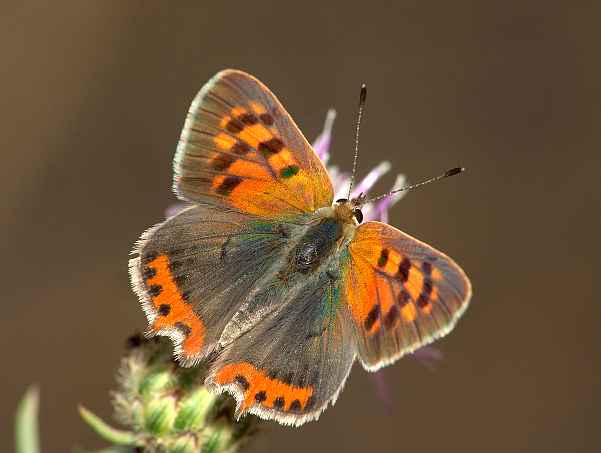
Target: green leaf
[108, 433]
[26, 426]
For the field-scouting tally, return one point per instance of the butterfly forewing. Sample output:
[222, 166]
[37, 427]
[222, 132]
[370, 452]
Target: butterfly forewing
[240, 148]
[403, 294]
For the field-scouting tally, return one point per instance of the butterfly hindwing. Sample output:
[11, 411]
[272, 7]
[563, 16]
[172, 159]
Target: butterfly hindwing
[295, 359]
[403, 294]
[240, 148]
[194, 270]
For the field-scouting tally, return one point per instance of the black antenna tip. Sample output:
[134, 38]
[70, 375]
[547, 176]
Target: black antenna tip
[363, 94]
[454, 171]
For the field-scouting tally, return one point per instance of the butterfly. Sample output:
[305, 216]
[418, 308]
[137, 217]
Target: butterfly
[264, 276]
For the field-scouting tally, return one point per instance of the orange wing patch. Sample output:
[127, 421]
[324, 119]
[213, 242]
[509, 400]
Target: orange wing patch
[257, 108]
[359, 293]
[173, 312]
[259, 388]
[392, 287]
[250, 140]
[224, 142]
[408, 312]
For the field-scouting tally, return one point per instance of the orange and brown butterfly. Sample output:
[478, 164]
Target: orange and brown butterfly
[265, 276]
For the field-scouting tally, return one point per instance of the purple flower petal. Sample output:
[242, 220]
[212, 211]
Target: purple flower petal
[340, 181]
[323, 141]
[372, 177]
[428, 356]
[383, 390]
[382, 206]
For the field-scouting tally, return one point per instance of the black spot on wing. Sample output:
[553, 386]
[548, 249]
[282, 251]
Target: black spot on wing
[404, 267]
[228, 185]
[391, 317]
[183, 328]
[372, 317]
[222, 162]
[155, 290]
[271, 147]
[241, 380]
[423, 300]
[279, 402]
[234, 126]
[248, 118]
[260, 396]
[266, 119]
[404, 298]
[241, 148]
[426, 268]
[427, 289]
[149, 272]
[383, 259]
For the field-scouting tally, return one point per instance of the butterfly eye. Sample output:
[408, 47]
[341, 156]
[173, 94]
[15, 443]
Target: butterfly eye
[358, 215]
[341, 200]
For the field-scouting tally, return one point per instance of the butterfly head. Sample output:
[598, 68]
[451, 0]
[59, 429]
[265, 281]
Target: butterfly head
[349, 211]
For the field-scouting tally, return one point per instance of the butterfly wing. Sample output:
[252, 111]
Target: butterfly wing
[194, 270]
[240, 148]
[295, 360]
[403, 294]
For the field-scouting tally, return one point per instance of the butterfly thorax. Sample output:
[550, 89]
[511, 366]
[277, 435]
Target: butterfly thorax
[315, 246]
[332, 228]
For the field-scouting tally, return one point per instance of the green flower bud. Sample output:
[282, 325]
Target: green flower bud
[167, 408]
[194, 409]
[156, 383]
[159, 415]
[185, 444]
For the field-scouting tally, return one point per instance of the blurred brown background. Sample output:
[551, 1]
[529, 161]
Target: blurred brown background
[93, 98]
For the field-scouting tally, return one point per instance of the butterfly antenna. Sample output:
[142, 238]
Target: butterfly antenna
[446, 174]
[362, 98]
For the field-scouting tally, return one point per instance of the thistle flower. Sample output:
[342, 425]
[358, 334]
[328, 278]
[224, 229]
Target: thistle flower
[166, 407]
